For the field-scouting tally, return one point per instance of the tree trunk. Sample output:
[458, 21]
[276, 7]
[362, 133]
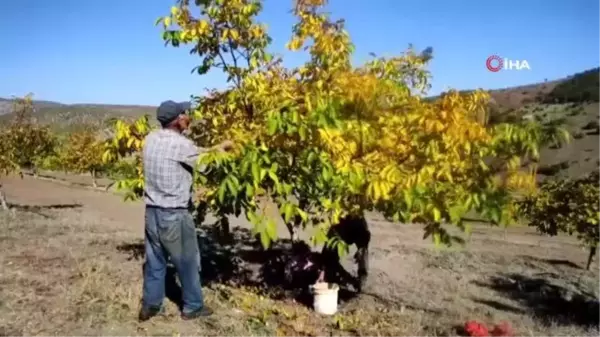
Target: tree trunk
[201, 211]
[226, 236]
[362, 253]
[3, 202]
[590, 257]
[290, 228]
[225, 226]
[93, 174]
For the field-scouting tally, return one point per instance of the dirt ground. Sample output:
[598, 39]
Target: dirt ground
[71, 265]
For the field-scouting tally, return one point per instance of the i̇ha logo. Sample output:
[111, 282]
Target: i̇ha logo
[496, 63]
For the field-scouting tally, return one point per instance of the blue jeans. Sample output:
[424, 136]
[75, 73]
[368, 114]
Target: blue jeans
[171, 233]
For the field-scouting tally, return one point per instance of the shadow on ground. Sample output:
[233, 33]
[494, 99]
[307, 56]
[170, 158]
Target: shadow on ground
[240, 260]
[559, 264]
[39, 209]
[544, 298]
[29, 208]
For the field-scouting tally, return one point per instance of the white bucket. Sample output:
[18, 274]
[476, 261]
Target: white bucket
[325, 297]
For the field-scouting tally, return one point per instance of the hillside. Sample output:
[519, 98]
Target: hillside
[572, 101]
[65, 117]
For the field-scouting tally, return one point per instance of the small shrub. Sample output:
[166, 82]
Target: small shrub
[567, 206]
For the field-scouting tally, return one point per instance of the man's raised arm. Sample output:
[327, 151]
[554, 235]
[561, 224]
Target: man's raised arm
[189, 152]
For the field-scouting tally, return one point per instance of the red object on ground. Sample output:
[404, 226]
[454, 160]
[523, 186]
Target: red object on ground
[474, 328]
[502, 329]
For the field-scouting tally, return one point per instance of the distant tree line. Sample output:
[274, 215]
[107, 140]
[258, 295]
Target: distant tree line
[26, 144]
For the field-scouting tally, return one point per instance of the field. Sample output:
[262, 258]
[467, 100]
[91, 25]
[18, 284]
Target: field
[317, 143]
[72, 265]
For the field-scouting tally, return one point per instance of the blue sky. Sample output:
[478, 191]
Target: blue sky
[109, 51]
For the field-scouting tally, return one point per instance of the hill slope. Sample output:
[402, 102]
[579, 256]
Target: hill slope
[573, 102]
[65, 117]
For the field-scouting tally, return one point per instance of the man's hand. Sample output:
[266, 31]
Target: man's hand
[226, 145]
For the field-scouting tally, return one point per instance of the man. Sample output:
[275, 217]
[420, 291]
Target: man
[169, 159]
[353, 230]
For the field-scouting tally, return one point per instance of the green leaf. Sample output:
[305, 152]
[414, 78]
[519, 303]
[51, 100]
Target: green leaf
[302, 214]
[263, 173]
[437, 215]
[437, 240]
[287, 188]
[231, 186]
[319, 237]
[253, 218]
[495, 215]
[272, 126]
[249, 190]
[265, 240]
[326, 173]
[288, 212]
[273, 177]
[302, 132]
[342, 248]
[271, 229]
[256, 173]
[468, 229]
[408, 199]
[221, 192]
[455, 213]
[244, 167]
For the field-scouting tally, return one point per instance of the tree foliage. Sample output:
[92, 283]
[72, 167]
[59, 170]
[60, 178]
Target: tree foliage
[328, 138]
[31, 141]
[567, 206]
[7, 166]
[8, 162]
[123, 150]
[23, 143]
[83, 153]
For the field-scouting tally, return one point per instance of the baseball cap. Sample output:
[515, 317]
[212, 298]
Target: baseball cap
[168, 111]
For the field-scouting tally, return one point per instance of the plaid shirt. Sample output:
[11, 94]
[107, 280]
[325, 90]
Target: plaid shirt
[169, 162]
